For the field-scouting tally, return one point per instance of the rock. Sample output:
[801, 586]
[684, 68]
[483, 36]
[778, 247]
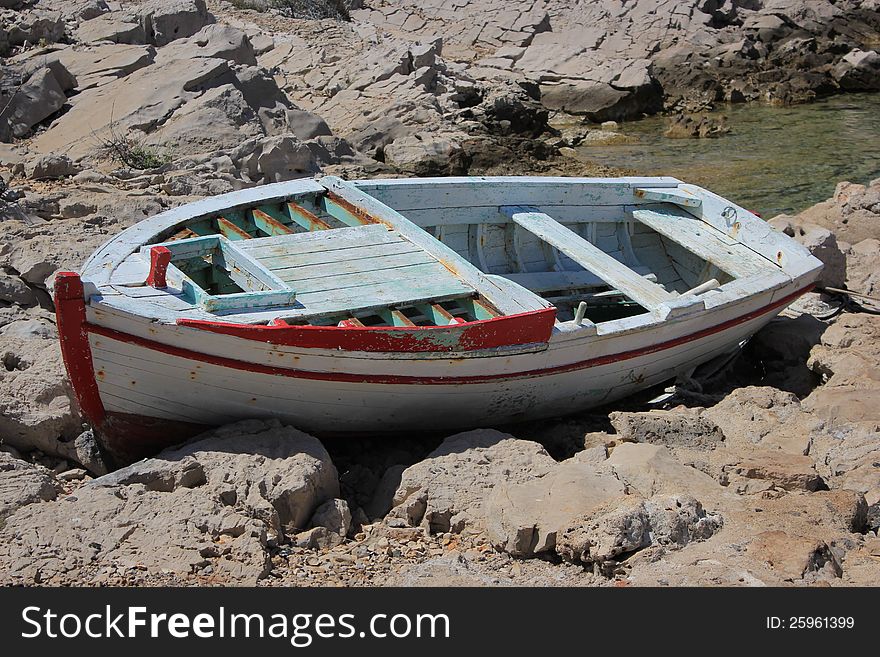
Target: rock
[35, 407]
[762, 415]
[872, 519]
[274, 472]
[140, 101]
[786, 471]
[334, 515]
[863, 267]
[75, 474]
[29, 328]
[50, 167]
[452, 570]
[851, 214]
[116, 27]
[15, 290]
[211, 503]
[317, 538]
[783, 347]
[795, 557]
[448, 490]
[821, 243]
[168, 20]
[858, 71]
[36, 100]
[220, 41]
[634, 523]
[836, 512]
[306, 125]
[22, 483]
[524, 518]
[684, 126]
[96, 65]
[650, 470]
[276, 159]
[683, 428]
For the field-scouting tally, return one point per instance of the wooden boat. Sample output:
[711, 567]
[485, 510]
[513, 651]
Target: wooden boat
[414, 304]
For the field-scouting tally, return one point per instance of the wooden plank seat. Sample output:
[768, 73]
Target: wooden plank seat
[615, 274]
[349, 269]
[702, 240]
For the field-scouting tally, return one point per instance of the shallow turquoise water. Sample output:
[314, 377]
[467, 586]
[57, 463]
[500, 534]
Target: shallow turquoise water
[775, 159]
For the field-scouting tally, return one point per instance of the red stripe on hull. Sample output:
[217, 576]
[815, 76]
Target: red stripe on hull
[511, 330]
[435, 380]
[70, 314]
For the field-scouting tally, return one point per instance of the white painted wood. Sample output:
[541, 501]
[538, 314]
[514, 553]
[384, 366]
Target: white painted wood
[616, 274]
[700, 239]
[463, 269]
[678, 196]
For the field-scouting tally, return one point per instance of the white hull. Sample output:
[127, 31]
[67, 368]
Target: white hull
[152, 380]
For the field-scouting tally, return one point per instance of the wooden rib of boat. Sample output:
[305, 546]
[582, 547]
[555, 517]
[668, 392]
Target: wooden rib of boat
[387, 305]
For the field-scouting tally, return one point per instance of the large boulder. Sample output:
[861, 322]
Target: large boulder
[37, 99]
[169, 20]
[276, 159]
[525, 518]
[50, 167]
[206, 509]
[448, 490]
[617, 530]
[36, 411]
[23, 483]
[822, 244]
[858, 70]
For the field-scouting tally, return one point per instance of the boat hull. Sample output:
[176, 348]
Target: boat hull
[157, 384]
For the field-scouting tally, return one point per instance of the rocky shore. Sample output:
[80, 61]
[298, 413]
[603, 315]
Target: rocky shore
[760, 471]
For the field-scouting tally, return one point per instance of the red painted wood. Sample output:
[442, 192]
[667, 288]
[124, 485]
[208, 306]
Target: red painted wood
[160, 258]
[437, 380]
[70, 313]
[510, 330]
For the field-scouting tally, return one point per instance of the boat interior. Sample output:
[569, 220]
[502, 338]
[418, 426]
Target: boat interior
[374, 254]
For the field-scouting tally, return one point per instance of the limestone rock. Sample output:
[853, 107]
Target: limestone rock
[211, 503]
[633, 524]
[115, 27]
[768, 416]
[333, 515]
[275, 159]
[787, 471]
[36, 411]
[650, 470]
[684, 428]
[525, 518]
[795, 557]
[22, 483]
[448, 490]
[168, 20]
[15, 290]
[858, 71]
[50, 167]
[863, 267]
[36, 100]
[822, 244]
